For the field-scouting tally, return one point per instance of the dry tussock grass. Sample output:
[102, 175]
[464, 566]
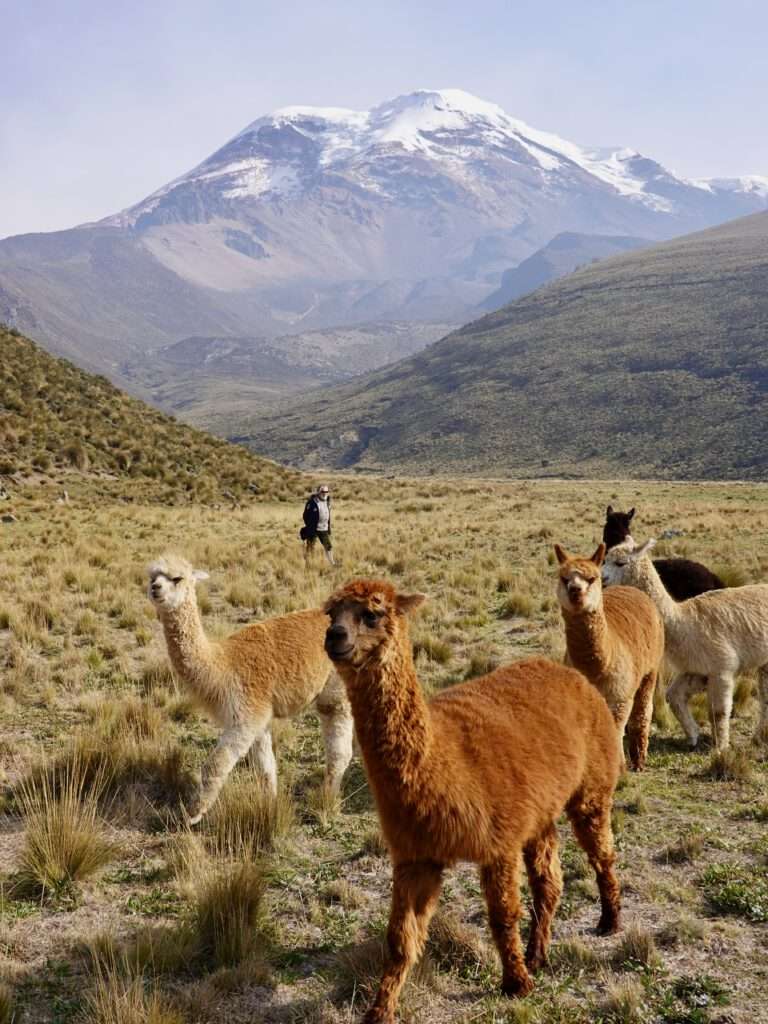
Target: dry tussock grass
[83, 671]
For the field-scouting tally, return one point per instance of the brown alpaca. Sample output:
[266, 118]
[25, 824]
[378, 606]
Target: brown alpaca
[480, 773]
[616, 639]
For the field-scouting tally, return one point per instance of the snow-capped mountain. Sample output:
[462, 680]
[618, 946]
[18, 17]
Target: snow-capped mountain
[314, 216]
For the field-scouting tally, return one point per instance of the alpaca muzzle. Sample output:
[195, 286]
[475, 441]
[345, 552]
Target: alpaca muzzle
[337, 643]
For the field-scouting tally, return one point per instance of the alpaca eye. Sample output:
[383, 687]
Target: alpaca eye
[177, 580]
[370, 619]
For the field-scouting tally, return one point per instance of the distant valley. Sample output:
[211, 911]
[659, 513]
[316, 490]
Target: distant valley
[650, 364]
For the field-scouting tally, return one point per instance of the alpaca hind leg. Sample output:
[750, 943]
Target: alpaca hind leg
[720, 694]
[546, 881]
[761, 734]
[591, 823]
[264, 758]
[338, 731]
[415, 891]
[639, 726]
[501, 884]
[680, 691]
[233, 744]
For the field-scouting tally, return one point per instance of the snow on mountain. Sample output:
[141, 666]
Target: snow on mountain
[283, 155]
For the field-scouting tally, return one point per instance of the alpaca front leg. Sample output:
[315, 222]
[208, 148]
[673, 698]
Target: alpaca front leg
[415, 891]
[233, 744]
[501, 884]
[338, 729]
[720, 694]
[679, 693]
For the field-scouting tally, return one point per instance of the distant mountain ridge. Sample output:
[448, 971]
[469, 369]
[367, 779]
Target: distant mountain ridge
[318, 217]
[649, 364]
[565, 253]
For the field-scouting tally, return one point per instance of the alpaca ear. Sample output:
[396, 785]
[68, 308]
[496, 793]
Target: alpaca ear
[609, 510]
[200, 574]
[644, 549]
[561, 554]
[599, 556]
[407, 603]
[630, 515]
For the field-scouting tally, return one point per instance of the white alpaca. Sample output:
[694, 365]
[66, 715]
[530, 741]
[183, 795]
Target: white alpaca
[271, 669]
[709, 638]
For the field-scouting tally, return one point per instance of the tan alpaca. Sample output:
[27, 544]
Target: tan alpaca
[617, 640]
[271, 669]
[710, 638]
[480, 773]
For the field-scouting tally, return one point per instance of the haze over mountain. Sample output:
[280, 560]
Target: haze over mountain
[653, 363]
[315, 217]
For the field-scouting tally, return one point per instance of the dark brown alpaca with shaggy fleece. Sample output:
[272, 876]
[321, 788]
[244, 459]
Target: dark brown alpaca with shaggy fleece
[681, 577]
[481, 772]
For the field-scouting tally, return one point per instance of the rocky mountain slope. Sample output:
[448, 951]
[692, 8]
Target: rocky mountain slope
[313, 217]
[653, 363]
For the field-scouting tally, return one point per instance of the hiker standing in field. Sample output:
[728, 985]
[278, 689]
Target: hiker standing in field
[317, 523]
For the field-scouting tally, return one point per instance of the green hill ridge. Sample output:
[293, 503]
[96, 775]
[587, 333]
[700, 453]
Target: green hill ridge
[653, 363]
[61, 424]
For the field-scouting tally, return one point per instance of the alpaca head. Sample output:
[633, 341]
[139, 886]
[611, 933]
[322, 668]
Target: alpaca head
[623, 564]
[617, 526]
[172, 582]
[367, 619]
[579, 584]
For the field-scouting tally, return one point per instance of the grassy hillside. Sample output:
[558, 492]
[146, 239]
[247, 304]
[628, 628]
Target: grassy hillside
[275, 912]
[61, 425]
[653, 363]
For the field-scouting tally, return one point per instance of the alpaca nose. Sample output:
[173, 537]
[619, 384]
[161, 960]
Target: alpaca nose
[337, 641]
[156, 590]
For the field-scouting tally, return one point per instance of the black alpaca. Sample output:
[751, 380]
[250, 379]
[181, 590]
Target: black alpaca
[682, 577]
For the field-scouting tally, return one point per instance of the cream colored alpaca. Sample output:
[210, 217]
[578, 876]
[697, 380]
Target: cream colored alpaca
[271, 669]
[617, 640]
[709, 639]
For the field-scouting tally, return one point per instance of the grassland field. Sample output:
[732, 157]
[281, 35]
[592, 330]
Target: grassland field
[113, 911]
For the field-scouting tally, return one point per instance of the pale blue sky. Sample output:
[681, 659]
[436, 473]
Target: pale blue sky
[102, 102]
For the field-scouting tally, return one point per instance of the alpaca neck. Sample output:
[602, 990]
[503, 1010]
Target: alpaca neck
[588, 640]
[189, 649]
[391, 720]
[649, 581]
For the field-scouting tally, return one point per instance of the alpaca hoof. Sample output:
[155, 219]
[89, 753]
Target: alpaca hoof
[535, 961]
[374, 1016]
[518, 986]
[608, 925]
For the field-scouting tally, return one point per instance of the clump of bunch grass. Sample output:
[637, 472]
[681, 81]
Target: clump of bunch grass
[120, 998]
[247, 819]
[65, 839]
[623, 1002]
[455, 946]
[636, 948]
[228, 915]
[686, 849]
[731, 765]
[8, 1014]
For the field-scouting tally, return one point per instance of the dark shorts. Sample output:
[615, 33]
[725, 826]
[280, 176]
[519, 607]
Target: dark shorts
[324, 536]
